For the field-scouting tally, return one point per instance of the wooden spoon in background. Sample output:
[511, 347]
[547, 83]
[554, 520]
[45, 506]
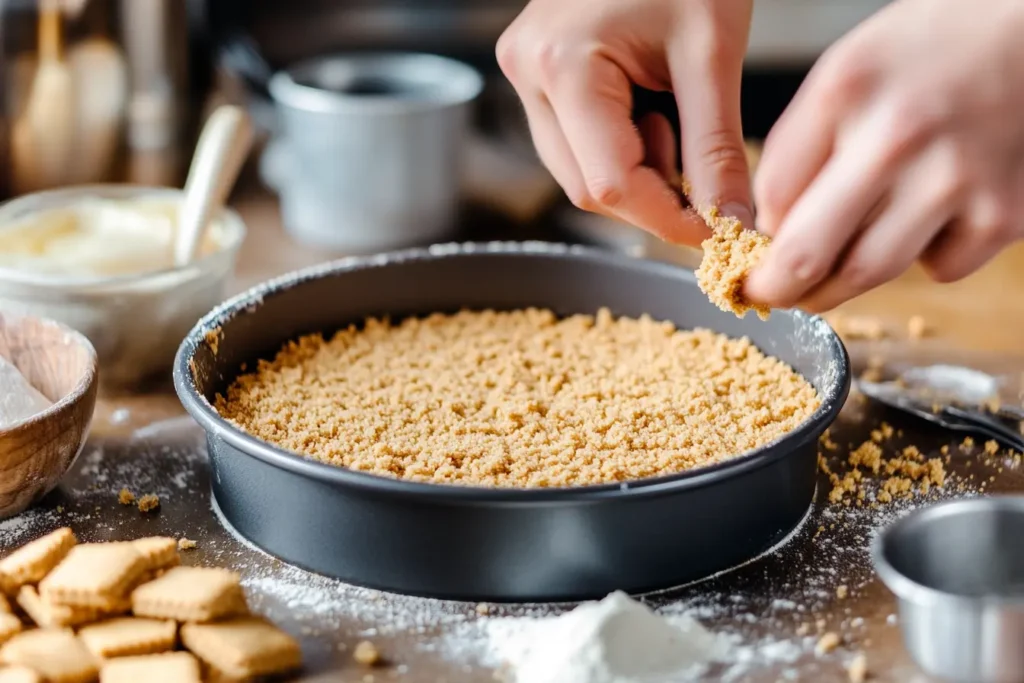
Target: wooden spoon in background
[42, 135]
[100, 78]
[222, 148]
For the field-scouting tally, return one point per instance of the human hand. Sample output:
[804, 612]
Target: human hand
[573, 63]
[906, 142]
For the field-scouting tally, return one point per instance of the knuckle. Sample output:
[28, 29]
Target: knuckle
[505, 52]
[722, 149]
[847, 75]
[550, 59]
[604, 190]
[992, 220]
[940, 270]
[862, 274]
[805, 266]
[908, 123]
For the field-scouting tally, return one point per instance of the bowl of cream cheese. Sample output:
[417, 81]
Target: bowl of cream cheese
[100, 259]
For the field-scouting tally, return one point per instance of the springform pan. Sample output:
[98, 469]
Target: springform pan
[474, 543]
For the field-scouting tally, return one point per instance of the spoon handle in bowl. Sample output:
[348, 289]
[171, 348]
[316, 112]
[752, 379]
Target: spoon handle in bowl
[220, 153]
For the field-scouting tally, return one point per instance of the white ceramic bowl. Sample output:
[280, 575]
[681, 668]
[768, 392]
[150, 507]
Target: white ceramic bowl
[135, 322]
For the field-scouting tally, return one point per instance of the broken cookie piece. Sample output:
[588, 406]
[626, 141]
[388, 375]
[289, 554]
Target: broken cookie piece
[33, 561]
[730, 254]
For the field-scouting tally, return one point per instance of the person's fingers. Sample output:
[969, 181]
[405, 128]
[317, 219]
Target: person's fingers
[822, 222]
[707, 89]
[554, 151]
[659, 144]
[957, 252]
[888, 247]
[795, 150]
[983, 228]
[594, 113]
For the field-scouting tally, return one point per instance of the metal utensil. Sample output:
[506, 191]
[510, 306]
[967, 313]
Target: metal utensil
[957, 570]
[952, 417]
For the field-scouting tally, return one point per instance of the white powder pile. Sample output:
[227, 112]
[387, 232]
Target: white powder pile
[19, 400]
[616, 640]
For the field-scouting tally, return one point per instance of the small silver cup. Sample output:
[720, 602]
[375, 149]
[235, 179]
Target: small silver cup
[367, 156]
[957, 570]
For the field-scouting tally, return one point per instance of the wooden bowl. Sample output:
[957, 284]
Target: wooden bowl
[61, 364]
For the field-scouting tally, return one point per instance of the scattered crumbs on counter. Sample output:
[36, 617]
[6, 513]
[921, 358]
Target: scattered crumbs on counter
[842, 591]
[857, 327]
[186, 544]
[827, 643]
[857, 669]
[149, 502]
[483, 609]
[366, 653]
[917, 328]
[125, 497]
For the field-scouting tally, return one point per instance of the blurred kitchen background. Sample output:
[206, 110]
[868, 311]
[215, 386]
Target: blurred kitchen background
[154, 67]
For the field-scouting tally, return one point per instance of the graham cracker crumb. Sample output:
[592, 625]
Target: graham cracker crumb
[916, 327]
[857, 670]
[366, 653]
[125, 497]
[842, 591]
[186, 544]
[854, 327]
[827, 643]
[967, 444]
[904, 473]
[483, 609]
[212, 339]
[730, 254]
[520, 398]
[991, 447]
[148, 503]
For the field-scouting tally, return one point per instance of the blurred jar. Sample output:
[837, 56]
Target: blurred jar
[93, 91]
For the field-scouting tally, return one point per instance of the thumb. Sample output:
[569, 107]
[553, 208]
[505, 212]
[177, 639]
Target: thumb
[707, 91]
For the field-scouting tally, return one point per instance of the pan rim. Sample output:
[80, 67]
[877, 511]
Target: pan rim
[833, 396]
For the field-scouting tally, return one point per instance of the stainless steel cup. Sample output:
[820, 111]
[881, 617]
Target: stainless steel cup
[367, 156]
[957, 570]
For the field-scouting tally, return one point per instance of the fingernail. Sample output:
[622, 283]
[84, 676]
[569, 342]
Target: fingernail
[740, 212]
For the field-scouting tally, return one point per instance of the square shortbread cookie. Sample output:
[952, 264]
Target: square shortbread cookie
[19, 674]
[47, 615]
[94, 575]
[243, 647]
[190, 594]
[32, 561]
[172, 667]
[126, 636]
[56, 654]
[160, 552]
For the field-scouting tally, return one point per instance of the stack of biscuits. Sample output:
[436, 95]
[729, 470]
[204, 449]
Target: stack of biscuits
[117, 613]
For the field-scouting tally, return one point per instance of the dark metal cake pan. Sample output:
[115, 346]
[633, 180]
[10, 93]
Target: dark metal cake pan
[474, 543]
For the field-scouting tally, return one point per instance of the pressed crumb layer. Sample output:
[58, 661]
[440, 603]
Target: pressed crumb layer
[519, 398]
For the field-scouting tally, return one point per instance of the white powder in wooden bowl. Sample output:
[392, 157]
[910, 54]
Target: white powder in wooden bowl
[19, 400]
